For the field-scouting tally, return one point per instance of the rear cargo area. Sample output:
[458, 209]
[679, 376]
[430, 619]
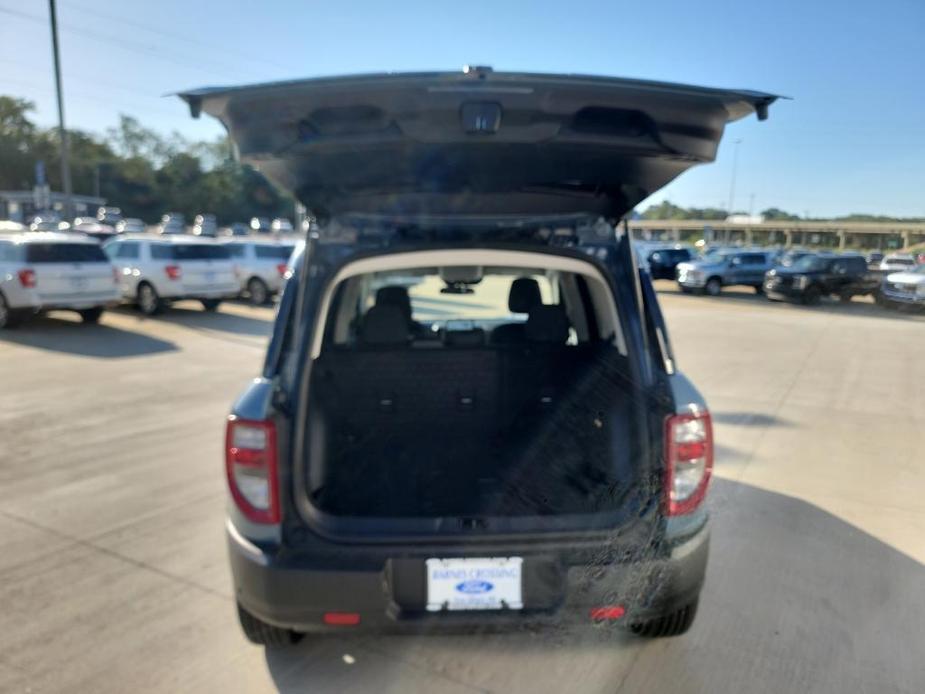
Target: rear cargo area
[447, 418]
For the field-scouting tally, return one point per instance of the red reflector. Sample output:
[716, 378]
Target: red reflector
[342, 619]
[173, 272]
[27, 278]
[692, 450]
[608, 612]
[281, 269]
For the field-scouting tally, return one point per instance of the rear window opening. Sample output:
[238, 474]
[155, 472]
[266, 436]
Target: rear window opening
[469, 390]
[64, 253]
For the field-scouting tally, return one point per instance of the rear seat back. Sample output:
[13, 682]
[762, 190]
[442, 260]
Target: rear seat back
[412, 389]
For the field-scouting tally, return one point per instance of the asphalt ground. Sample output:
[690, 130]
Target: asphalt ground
[113, 574]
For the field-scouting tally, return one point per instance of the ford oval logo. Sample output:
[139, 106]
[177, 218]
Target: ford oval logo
[474, 587]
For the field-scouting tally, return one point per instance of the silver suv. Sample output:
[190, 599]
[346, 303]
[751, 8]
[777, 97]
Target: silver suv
[260, 266]
[725, 268]
[41, 271]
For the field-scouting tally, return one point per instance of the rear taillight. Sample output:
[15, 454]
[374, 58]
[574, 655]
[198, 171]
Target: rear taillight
[281, 269]
[689, 461]
[27, 278]
[173, 272]
[115, 275]
[250, 462]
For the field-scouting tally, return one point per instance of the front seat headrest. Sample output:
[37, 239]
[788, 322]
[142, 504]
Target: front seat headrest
[395, 296]
[547, 324]
[524, 295]
[384, 325]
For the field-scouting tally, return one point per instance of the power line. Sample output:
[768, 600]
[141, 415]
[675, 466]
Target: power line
[198, 40]
[118, 42]
[94, 98]
[93, 81]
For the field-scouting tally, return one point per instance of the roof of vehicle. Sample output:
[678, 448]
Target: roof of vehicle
[256, 241]
[11, 227]
[900, 256]
[167, 238]
[48, 237]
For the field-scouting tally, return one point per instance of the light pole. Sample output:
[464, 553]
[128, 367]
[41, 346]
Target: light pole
[732, 183]
[65, 164]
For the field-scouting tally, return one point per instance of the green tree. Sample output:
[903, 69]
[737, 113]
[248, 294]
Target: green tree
[17, 144]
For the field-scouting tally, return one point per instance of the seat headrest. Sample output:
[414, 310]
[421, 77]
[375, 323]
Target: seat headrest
[547, 324]
[395, 296]
[524, 295]
[384, 325]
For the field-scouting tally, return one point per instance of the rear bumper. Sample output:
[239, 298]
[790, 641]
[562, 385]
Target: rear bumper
[78, 303]
[295, 592]
[224, 291]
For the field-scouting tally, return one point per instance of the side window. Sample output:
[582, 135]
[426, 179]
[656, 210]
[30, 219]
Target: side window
[128, 251]
[237, 250]
[112, 250]
[161, 251]
[7, 252]
[754, 259]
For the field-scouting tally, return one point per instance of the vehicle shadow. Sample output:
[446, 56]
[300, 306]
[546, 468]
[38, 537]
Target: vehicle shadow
[70, 337]
[220, 320]
[796, 599]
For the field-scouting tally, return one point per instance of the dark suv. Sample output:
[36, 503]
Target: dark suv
[814, 276]
[469, 414]
[663, 262]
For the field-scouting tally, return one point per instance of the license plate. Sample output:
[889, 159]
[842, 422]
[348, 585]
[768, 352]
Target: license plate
[491, 583]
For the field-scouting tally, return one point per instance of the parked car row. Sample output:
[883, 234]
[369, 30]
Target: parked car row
[796, 275]
[43, 271]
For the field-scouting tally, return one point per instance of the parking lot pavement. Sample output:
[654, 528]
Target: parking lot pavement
[112, 561]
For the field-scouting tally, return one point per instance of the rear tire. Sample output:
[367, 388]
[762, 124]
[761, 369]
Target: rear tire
[149, 303]
[258, 291]
[264, 634]
[673, 624]
[845, 298]
[91, 315]
[210, 304]
[9, 318]
[713, 287]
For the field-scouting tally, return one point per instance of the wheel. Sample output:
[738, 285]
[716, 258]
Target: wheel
[258, 291]
[811, 296]
[91, 315]
[673, 624]
[845, 297]
[149, 303]
[759, 289]
[210, 304]
[713, 286]
[9, 318]
[264, 634]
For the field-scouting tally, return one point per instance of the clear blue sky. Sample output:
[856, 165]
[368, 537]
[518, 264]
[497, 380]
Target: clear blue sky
[852, 140]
